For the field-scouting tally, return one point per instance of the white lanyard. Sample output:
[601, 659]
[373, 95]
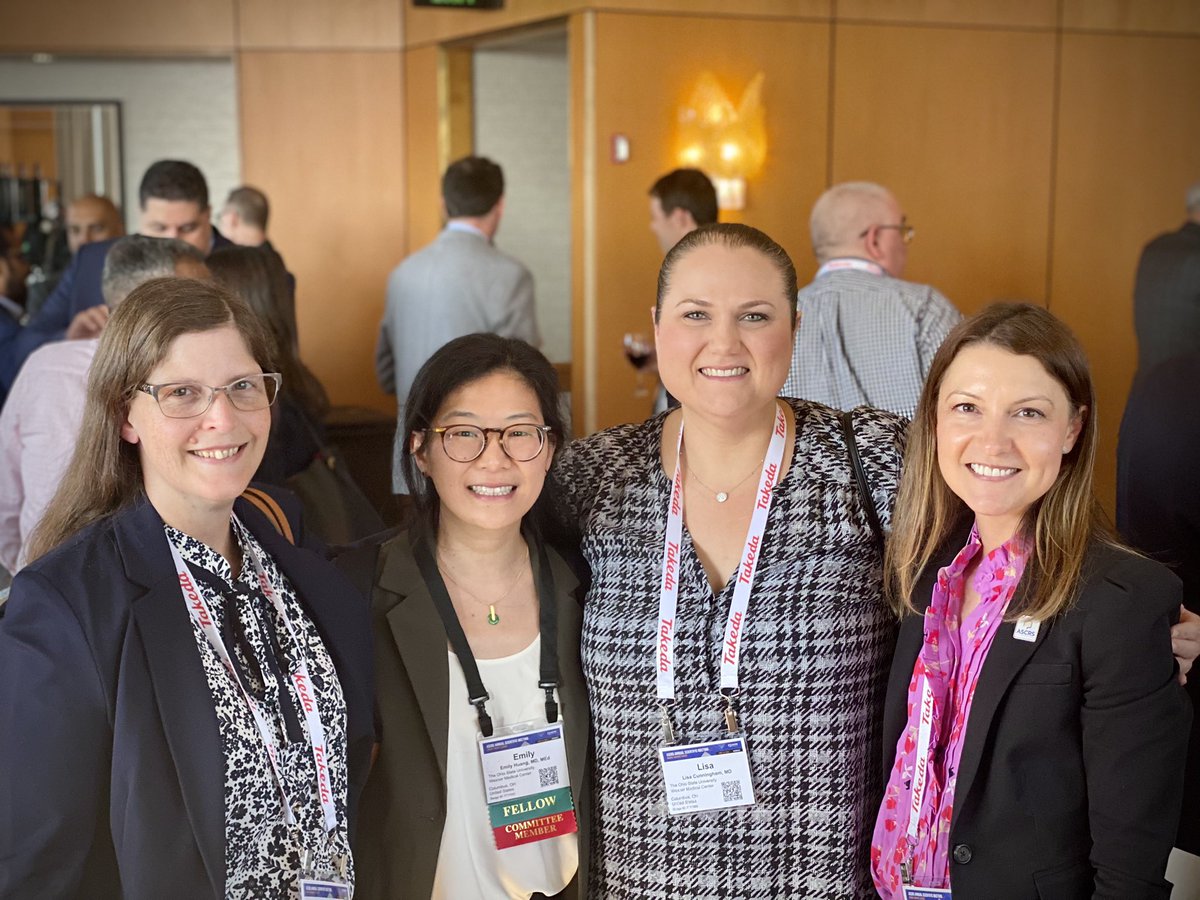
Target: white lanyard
[735, 624]
[851, 262]
[202, 615]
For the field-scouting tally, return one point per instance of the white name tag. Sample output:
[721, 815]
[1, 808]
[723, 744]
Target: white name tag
[710, 775]
[1026, 629]
[527, 785]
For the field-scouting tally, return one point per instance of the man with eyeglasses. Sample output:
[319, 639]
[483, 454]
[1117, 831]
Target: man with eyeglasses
[865, 335]
[41, 419]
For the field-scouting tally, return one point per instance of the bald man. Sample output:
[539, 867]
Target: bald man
[92, 218]
[865, 335]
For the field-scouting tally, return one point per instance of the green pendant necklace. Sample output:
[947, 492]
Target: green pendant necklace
[493, 618]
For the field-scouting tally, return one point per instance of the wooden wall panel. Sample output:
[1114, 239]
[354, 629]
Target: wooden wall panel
[328, 149]
[423, 157]
[319, 24]
[642, 102]
[1126, 154]
[1174, 16]
[429, 25]
[1001, 13]
[958, 123]
[118, 27]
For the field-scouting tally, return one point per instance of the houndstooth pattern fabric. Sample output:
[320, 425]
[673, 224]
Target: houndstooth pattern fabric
[866, 339]
[813, 671]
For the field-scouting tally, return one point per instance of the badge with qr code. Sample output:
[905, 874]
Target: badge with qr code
[526, 783]
[709, 775]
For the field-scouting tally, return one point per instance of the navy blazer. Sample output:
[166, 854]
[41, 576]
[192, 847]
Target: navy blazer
[111, 768]
[1072, 764]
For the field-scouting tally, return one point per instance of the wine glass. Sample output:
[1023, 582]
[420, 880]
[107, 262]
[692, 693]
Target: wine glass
[639, 350]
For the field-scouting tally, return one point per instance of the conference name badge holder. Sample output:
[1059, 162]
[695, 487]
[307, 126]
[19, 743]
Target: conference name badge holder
[334, 884]
[710, 775]
[526, 781]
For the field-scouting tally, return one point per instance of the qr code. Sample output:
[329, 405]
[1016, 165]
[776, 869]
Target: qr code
[548, 777]
[731, 790]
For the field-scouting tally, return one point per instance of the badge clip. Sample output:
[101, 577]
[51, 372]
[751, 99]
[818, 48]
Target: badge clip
[731, 719]
[668, 732]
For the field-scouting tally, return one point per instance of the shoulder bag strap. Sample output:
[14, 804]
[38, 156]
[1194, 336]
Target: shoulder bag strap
[265, 504]
[860, 477]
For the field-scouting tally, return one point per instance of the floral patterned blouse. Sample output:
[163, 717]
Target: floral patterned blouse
[262, 853]
[952, 656]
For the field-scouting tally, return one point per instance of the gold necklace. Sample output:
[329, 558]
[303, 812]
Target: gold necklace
[492, 617]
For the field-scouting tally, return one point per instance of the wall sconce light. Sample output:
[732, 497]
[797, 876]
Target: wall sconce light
[727, 143]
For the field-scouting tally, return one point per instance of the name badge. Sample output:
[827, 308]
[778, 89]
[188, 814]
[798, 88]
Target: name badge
[527, 785]
[709, 775]
[316, 889]
[1026, 629]
[920, 893]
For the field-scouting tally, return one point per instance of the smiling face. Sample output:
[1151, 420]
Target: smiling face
[724, 334]
[492, 491]
[1003, 426]
[193, 469]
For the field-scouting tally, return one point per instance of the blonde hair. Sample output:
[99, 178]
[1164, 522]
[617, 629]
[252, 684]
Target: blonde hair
[1059, 526]
[105, 472]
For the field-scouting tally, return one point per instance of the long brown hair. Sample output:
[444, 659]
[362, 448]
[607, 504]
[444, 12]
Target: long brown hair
[1059, 526]
[105, 472]
[257, 276]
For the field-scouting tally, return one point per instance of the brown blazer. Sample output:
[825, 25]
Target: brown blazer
[404, 802]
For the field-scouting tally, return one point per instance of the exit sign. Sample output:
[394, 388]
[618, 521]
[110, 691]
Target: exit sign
[462, 4]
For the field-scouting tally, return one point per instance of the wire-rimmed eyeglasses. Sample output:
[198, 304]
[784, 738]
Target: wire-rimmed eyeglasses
[521, 442]
[187, 399]
[907, 232]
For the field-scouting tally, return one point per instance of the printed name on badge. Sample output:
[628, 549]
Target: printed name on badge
[710, 775]
[314, 889]
[527, 785]
[920, 893]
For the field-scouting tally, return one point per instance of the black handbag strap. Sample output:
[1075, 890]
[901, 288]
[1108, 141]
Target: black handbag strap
[860, 477]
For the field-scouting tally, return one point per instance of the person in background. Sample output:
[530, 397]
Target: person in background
[1035, 729]
[40, 421]
[479, 570]
[188, 689]
[1166, 291]
[90, 219]
[243, 220]
[173, 198]
[680, 202]
[460, 284]
[297, 427]
[865, 336]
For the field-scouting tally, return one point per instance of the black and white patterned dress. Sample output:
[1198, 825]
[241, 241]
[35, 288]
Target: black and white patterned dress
[813, 671]
[262, 852]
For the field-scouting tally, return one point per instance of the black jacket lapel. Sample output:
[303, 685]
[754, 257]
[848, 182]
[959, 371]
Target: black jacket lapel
[185, 707]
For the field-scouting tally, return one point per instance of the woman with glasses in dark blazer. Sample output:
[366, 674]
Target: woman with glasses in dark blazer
[186, 692]
[479, 787]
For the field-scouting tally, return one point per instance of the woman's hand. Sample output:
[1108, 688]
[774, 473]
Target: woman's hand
[1185, 641]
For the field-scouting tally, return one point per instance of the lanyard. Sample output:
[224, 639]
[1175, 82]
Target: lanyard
[547, 627]
[735, 624]
[202, 615]
[851, 262]
[921, 764]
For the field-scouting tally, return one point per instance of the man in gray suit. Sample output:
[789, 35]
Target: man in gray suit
[460, 284]
[1166, 294]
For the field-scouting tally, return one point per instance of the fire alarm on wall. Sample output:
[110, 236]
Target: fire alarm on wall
[620, 148]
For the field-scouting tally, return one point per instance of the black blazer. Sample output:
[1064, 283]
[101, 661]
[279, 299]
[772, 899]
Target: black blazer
[1072, 765]
[111, 768]
[404, 806]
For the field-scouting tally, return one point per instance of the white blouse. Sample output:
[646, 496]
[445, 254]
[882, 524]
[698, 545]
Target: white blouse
[469, 865]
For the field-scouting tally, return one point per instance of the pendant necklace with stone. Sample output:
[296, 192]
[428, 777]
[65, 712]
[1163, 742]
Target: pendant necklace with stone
[722, 496]
[493, 617]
